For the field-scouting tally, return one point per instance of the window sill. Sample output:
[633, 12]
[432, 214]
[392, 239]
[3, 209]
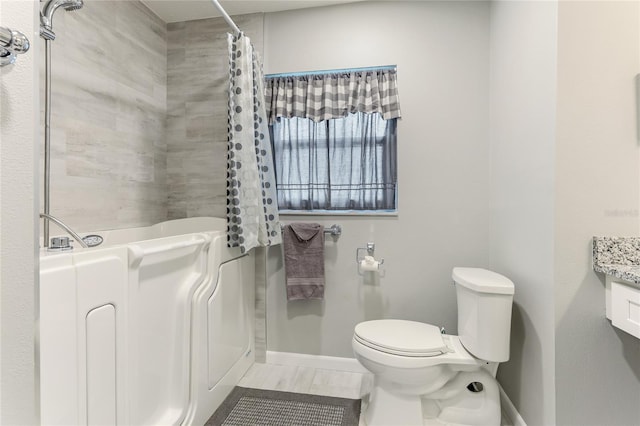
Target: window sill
[393, 213]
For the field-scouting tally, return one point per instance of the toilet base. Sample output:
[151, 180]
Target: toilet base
[455, 404]
[452, 404]
[391, 408]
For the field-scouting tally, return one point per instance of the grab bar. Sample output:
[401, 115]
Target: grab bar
[137, 253]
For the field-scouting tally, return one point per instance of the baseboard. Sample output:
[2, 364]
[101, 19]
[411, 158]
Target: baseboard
[509, 410]
[316, 361]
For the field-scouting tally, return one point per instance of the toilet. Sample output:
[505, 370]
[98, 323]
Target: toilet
[422, 376]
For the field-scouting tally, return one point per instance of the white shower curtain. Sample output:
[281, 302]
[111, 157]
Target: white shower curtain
[252, 210]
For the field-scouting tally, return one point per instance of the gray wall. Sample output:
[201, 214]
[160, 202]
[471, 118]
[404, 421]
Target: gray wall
[441, 51]
[198, 82]
[523, 124]
[597, 185]
[108, 116]
[556, 178]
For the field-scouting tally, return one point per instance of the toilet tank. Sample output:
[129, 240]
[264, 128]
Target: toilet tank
[484, 312]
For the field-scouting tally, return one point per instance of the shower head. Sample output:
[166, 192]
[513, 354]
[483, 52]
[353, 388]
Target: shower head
[73, 5]
[46, 15]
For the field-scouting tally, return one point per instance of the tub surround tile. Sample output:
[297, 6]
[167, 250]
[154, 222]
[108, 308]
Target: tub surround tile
[618, 257]
[196, 126]
[260, 305]
[109, 97]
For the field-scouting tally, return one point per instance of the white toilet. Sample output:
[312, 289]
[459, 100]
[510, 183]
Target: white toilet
[420, 373]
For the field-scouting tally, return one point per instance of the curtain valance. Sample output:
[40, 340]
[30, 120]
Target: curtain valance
[325, 96]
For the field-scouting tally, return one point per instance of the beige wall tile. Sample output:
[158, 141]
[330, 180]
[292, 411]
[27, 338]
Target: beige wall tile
[109, 78]
[197, 84]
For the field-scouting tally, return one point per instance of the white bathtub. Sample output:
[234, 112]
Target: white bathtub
[153, 327]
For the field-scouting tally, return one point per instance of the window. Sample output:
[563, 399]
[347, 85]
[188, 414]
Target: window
[334, 139]
[346, 163]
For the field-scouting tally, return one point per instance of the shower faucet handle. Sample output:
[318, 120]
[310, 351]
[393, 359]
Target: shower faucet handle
[11, 44]
[19, 43]
[60, 244]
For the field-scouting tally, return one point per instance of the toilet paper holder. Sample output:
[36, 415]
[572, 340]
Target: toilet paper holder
[370, 248]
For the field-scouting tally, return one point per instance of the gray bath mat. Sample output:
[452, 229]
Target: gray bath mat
[249, 407]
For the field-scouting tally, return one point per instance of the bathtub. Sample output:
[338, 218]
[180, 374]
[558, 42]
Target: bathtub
[153, 327]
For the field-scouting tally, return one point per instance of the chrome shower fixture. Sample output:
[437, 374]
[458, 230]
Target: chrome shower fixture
[46, 32]
[46, 15]
[12, 43]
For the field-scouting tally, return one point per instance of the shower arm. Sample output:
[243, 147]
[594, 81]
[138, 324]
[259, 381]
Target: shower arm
[47, 218]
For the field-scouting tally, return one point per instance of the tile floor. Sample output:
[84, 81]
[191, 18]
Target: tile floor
[309, 380]
[315, 381]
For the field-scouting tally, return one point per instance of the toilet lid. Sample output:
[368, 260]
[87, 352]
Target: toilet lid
[402, 337]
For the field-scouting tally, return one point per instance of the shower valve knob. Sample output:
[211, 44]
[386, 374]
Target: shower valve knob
[20, 42]
[60, 243]
[13, 41]
[11, 44]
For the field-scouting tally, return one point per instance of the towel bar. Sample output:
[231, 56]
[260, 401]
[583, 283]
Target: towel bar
[334, 230]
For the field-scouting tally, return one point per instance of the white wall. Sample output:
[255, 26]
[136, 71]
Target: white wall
[18, 113]
[523, 94]
[441, 50]
[597, 172]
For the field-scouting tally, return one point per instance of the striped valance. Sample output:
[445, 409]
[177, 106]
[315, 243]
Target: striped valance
[328, 95]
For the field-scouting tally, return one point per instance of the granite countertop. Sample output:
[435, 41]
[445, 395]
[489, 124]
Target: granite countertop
[624, 272]
[618, 257]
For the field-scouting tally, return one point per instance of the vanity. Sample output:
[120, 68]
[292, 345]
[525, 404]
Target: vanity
[619, 259]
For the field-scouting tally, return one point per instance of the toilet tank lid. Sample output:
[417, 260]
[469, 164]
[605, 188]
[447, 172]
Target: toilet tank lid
[483, 281]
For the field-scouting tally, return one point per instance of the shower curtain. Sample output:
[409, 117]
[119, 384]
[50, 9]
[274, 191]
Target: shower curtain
[252, 211]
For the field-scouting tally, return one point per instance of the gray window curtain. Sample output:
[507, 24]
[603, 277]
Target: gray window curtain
[326, 96]
[347, 163]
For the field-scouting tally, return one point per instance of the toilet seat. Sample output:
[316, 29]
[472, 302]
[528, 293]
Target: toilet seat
[374, 342]
[400, 337]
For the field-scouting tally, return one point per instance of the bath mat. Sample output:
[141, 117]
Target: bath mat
[249, 407]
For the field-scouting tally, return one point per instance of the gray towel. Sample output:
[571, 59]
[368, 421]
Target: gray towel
[304, 260]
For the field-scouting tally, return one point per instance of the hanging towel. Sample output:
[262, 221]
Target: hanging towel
[304, 260]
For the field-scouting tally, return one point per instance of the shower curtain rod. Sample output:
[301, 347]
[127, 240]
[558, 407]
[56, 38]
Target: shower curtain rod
[226, 16]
